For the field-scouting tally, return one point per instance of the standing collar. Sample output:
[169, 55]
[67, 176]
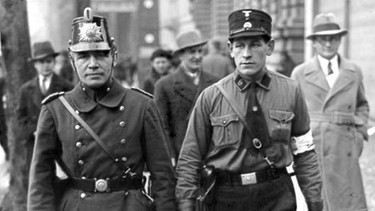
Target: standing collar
[242, 83]
[84, 101]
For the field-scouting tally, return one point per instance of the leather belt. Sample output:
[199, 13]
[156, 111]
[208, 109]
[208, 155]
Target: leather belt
[226, 178]
[105, 185]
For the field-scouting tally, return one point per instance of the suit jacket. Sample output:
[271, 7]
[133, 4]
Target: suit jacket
[30, 103]
[175, 96]
[338, 119]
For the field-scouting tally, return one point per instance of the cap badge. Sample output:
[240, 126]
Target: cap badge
[90, 32]
[247, 13]
[247, 25]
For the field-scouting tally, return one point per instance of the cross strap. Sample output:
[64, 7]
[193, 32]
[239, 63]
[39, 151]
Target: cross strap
[230, 100]
[92, 133]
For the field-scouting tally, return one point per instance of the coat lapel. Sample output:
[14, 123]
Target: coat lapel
[346, 76]
[315, 76]
[183, 85]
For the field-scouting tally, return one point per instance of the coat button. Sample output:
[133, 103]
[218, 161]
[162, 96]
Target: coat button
[123, 141]
[122, 124]
[77, 127]
[77, 112]
[255, 108]
[122, 108]
[83, 177]
[224, 121]
[81, 162]
[83, 195]
[78, 144]
[124, 159]
[108, 89]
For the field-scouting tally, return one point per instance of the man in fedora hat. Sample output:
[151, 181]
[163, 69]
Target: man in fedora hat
[176, 93]
[33, 91]
[339, 112]
[101, 134]
[245, 130]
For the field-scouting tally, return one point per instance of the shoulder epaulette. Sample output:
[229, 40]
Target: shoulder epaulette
[51, 97]
[143, 92]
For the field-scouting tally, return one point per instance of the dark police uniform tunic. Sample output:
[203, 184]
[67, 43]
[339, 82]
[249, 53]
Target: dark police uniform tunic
[128, 123]
[215, 136]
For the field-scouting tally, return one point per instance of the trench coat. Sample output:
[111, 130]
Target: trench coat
[129, 123]
[338, 118]
[175, 96]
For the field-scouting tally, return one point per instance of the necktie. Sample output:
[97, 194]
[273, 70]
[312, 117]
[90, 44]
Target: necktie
[330, 71]
[44, 85]
[256, 120]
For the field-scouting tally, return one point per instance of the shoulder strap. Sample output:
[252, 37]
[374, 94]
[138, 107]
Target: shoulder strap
[234, 106]
[243, 120]
[91, 132]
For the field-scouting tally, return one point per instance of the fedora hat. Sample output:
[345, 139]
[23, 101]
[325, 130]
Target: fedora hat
[90, 33]
[187, 40]
[41, 50]
[326, 24]
[249, 22]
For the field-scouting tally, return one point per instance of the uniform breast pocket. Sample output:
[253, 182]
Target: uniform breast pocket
[224, 129]
[281, 124]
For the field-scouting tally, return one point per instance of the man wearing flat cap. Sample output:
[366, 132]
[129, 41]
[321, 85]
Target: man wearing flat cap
[176, 93]
[339, 111]
[101, 135]
[245, 130]
[32, 93]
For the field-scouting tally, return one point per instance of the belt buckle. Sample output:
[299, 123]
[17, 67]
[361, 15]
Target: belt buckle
[249, 178]
[101, 185]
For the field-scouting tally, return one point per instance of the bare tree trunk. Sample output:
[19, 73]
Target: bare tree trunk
[16, 51]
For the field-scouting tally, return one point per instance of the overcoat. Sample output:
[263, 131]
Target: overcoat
[175, 96]
[338, 118]
[128, 122]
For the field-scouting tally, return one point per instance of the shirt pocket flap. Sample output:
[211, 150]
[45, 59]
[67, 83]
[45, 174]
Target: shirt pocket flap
[223, 120]
[281, 116]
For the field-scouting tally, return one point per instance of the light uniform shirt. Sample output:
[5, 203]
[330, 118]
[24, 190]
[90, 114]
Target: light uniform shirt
[331, 79]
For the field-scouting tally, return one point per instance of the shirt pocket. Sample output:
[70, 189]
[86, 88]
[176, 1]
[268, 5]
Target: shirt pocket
[224, 129]
[281, 124]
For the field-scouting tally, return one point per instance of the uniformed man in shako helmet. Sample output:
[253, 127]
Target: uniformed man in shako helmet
[245, 130]
[101, 135]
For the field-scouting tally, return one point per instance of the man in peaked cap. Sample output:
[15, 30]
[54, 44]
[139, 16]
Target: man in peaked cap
[176, 93]
[104, 171]
[32, 93]
[339, 112]
[245, 130]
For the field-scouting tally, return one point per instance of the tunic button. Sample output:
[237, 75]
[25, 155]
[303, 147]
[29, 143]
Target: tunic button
[81, 162]
[78, 144]
[124, 159]
[77, 127]
[122, 124]
[108, 89]
[255, 108]
[84, 89]
[122, 108]
[123, 141]
[83, 195]
[77, 111]
[224, 121]
[83, 177]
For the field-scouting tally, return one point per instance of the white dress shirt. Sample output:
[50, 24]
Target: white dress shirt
[331, 78]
